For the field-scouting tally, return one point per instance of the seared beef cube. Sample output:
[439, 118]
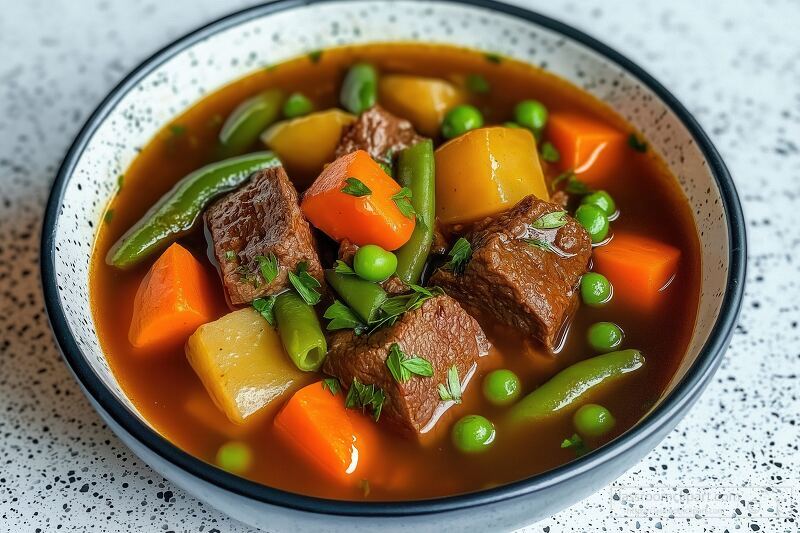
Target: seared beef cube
[440, 331]
[379, 133]
[524, 277]
[260, 218]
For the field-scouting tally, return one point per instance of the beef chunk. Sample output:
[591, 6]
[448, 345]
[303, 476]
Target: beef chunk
[439, 331]
[260, 218]
[529, 287]
[379, 133]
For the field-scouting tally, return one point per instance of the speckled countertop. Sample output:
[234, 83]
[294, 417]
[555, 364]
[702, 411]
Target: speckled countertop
[732, 464]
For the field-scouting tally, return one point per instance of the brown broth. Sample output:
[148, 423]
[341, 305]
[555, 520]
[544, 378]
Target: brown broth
[170, 396]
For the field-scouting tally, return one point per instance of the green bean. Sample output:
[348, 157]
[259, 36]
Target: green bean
[248, 121]
[301, 334]
[363, 297]
[573, 383]
[415, 170]
[360, 88]
[177, 211]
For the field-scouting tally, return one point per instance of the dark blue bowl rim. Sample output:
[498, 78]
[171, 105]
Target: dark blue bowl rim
[670, 408]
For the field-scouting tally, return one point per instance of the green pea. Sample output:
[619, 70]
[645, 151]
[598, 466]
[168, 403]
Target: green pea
[604, 336]
[234, 457]
[460, 120]
[297, 105]
[373, 263]
[601, 200]
[473, 434]
[593, 420]
[594, 221]
[501, 387]
[595, 289]
[531, 114]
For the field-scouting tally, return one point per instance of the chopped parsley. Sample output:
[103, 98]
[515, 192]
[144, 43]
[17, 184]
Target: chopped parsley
[636, 143]
[575, 443]
[343, 268]
[402, 366]
[230, 255]
[553, 220]
[451, 390]
[571, 182]
[366, 398]
[305, 284]
[177, 129]
[332, 384]
[268, 266]
[355, 187]
[541, 244]
[342, 317]
[315, 56]
[549, 153]
[109, 216]
[120, 181]
[477, 84]
[401, 200]
[493, 58]
[265, 306]
[460, 254]
[395, 306]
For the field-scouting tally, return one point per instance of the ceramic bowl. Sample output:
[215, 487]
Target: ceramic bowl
[230, 48]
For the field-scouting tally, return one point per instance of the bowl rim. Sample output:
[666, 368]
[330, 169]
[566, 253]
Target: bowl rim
[683, 395]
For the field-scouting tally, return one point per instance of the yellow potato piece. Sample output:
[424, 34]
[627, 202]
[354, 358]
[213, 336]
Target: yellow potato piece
[422, 101]
[240, 360]
[305, 144]
[486, 171]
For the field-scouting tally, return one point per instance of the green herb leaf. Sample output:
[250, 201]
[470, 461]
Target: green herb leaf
[343, 268]
[402, 367]
[230, 255]
[572, 184]
[305, 284]
[460, 254]
[177, 129]
[553, 220]
[315, 56]
[636, 143]
[541, 244]
[575, 442]
[120, 181]
[395, 306]
[493, 58]
[342, 317]
[355, 187]
[401, 200]
[109, 216]
[549, 153]
[332, 384]
[477, 84]
[451, 391]
[365, 397]
[264, 307]
[268, 266]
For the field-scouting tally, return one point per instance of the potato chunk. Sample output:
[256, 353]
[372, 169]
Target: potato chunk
[422, 101]
[240, 360]
[486, 171]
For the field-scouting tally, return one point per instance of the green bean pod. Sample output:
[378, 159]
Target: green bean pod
[572, 384]
[300, 332]
[363, 297]
[177, 211]
[250, 118]
[416, 170]
[360, 88]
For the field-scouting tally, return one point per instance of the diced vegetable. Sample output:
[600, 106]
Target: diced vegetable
[592, 149]
[300, 332]
[318, 425]
[593, 420]
[240, 360]
[473, 434]
[573, 384]
[486, 171]
[355, 199]
[638, 267]
[306, 144]
[373, 263]
[177, 211]
[243, 126]
[423, 101]
[173, 299]
[360, 88]
[415, 170]
[363, 297]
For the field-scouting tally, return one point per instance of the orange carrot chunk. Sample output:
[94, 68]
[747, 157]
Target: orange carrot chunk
[353, 199]
[588, 147]
[638, 268]
[173, 300]
[316, 422]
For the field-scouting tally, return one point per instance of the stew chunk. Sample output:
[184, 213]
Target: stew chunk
[256, 227]
[525, 267]
[440, 332]
[379, 133]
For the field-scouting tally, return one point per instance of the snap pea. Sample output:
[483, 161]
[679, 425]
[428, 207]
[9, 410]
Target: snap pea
[360, 88]
[178, 210]
[300, 332]
[415, 170]
[573, 383]
[248, 121]
[363, 297]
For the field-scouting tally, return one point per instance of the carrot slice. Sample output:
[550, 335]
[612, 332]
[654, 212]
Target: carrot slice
[372, 218]
[173, 300]
[638, 268]
[316, 422]
[588, 147]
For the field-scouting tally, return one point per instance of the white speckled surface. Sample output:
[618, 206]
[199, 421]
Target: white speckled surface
[733, 463]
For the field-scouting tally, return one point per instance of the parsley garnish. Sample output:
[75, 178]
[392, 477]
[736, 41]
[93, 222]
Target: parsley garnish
[315, 56]
[573, 184]
[268, 266]
[355, 187]
[109, 216]
[402, 366]
[264, 307]
[343, 268]
[177, 129]
[395, 306]
[460, 254]
[401, 200]
[120, 181]
[305, 284]
[553, 220]
[542, 245]
[477, 84]
[575, 442]
[230, 255]
[549, 153]
[365, 397]
[493, 58]
[636, 143]
[451, 391]
[342, 317]
[332, 384]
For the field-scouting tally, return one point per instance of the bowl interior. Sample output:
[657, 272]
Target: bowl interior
[209, 60]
